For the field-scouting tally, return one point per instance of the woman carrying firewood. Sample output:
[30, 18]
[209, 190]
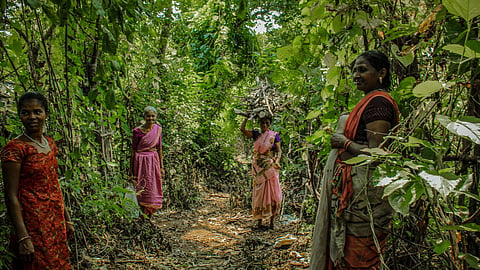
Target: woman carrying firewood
[267, 194]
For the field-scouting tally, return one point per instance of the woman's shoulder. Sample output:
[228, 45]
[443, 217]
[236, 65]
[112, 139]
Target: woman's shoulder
[13, 150]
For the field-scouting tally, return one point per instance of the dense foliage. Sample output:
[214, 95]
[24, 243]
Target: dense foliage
[101, 62]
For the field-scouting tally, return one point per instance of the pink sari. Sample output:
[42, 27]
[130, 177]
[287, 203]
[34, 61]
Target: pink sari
[267, 194]
[146, 167]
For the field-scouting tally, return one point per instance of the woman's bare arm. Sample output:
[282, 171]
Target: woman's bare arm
[247, 133]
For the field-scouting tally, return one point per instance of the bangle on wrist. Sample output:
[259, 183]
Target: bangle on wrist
[23, 239]
[347, 144]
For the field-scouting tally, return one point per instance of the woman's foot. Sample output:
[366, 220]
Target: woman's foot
[258, 225]
[272, 227]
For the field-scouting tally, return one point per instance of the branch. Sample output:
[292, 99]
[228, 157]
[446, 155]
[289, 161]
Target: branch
[463, 158]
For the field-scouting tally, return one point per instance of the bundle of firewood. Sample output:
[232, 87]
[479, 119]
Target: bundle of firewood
[263, 101]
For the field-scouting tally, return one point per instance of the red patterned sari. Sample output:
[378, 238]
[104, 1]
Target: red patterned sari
[42, 205]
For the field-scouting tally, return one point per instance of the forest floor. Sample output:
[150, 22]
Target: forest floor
[213, 236]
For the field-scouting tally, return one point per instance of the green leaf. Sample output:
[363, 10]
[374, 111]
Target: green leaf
[461, 128]
[357, 159]
[242, 9]
[376, 151]
[461, 50]
[405, 60]
[327, 92]
[441, 247]
[51, 14]
[99, 6]
[443, 185]
[394, 186]
[397, 201]
[286, 52]
[470, 227]
[313, 114]
[34, 3]
[473, 261]
[337, 24]
[333, 75]
[116, 65]
[427, 88]
[318, 134]
[467, 9]
[110, 99]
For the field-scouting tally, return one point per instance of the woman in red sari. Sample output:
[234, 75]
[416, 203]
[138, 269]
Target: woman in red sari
[267, 193]
[360, 218]
[33, 196]
[146, 165]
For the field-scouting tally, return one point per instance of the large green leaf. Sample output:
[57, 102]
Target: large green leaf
[461, 50]
[443, 185]
[394, 186]
[427, 88]
[398, 202]
[467, 9]
[407, 59]
[461, 128]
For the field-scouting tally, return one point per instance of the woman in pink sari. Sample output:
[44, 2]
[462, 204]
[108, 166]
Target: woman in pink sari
[267, 193]
[146, 164]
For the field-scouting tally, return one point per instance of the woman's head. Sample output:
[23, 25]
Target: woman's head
[36, 96]
[149, 114]
[32, 108]
[371, 71]
[265, 123]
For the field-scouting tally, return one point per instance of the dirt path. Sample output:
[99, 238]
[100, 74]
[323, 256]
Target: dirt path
[213, 236]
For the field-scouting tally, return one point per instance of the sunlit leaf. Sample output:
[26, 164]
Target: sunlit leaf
[461, 50]
[286, 52]
[427, 88]
[443, 185]
[467, 9]
[333, 75]
[394, 186]
[313, 114]
[461, 128]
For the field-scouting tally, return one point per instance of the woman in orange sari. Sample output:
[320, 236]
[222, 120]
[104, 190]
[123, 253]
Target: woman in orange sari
[360, 218]
[146, 163]
[32, 193]
[267, 193]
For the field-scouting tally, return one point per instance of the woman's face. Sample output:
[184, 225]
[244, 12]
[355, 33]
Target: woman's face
[365, 76]
[150, 117]
[265, 124]
[33, 115]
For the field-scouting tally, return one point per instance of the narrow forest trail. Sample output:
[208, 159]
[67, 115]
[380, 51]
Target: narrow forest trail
[213, 236]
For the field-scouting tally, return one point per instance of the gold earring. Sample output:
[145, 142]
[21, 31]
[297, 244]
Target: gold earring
[380, 79]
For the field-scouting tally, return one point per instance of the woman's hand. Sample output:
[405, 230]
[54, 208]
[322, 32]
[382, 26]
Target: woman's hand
[337, 140]
[162, 171]
[26, 251]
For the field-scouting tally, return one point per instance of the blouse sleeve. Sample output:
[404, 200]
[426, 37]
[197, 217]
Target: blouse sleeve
[380, 108]
[277, 137]
[255, 134]
[12, 153]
